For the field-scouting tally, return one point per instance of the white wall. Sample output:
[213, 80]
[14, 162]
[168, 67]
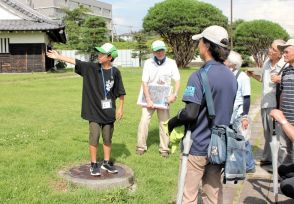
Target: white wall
[73, 54]
[24, 37]
[6, 15]
[124, 58]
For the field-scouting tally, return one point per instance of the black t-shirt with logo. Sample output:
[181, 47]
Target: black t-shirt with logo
[94, 91]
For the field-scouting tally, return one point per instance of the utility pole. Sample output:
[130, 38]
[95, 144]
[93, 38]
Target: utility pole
[231, 26]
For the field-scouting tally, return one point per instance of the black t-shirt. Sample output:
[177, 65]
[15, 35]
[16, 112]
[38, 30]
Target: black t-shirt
[94, 91]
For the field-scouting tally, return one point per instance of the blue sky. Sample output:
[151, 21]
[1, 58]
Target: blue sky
[128, 14]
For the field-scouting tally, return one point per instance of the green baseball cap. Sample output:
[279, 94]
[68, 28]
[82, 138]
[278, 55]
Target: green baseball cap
[108, 49]
[158, 45]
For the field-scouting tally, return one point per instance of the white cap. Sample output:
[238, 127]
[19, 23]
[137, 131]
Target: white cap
[215, 34]
[290, 42]
[158, 45]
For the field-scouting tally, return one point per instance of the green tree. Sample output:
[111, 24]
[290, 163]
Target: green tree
[176, 22]
[73, 21]
[93, 34]
[141, 48]
[254, 38]
[232, 29]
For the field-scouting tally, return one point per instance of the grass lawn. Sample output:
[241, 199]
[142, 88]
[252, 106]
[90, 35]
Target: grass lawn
[41, 132]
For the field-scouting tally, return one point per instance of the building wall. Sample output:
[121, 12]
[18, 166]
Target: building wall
[23, 51]
[25, 37]
[53, 8]
[24, 58]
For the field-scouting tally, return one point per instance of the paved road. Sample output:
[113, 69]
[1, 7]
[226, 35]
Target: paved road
[257, 188]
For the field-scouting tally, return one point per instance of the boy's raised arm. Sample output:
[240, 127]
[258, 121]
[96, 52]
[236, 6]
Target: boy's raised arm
[55, 55]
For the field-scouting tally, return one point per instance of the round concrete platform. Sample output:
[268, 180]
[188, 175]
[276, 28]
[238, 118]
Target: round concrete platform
[80, 175]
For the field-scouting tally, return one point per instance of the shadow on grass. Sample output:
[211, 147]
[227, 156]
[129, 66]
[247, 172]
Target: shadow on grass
[153, 137]
[120, 150]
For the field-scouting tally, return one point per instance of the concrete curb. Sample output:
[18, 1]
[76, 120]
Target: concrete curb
[124, 179]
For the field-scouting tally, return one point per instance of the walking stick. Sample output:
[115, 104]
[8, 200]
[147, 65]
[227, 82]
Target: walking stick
[274, 148]
[187, 142]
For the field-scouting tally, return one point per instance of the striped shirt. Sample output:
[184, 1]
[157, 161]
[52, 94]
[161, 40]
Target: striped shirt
[287, 97]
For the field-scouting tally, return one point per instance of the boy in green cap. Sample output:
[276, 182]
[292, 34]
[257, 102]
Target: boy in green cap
[102, 84]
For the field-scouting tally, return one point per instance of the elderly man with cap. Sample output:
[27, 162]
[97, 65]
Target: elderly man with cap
[287, 97]
[158, 70]
[269, 79]
[102, 85]
[213, 48]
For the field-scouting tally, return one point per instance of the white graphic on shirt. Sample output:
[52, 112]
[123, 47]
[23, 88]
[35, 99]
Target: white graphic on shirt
[232, 157]
[214, 151]
[164, 79]
[109, 85]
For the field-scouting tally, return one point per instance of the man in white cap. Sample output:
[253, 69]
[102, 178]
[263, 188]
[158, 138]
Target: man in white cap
[213, 48]
[287, 96]
[102, 85]
[158, 70]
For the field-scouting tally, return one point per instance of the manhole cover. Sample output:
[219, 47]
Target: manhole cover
[81, 175]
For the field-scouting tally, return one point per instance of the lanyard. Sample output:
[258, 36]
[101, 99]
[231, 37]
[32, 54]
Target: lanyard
[104, 85]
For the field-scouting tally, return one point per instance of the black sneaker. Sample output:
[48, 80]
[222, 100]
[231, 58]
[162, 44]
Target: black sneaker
[265, 163]
[94, 169]
[109, 167]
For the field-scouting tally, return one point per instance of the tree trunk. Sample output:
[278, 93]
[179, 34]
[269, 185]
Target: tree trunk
[183, 48]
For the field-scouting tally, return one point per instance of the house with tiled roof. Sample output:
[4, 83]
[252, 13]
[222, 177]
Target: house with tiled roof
[25, 36]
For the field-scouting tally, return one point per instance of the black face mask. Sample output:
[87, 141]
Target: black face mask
[159, 62]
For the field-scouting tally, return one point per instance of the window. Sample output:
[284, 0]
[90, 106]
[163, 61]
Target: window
[97, 9]
[106, 12]
[4, 45]
[73, 5]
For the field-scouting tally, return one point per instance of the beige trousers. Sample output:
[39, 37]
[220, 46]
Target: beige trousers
[162, 115]
[199, 170]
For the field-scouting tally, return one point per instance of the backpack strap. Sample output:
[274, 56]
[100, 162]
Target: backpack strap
[278, 86]
[238, 73]
[282, 69]
[208, 95]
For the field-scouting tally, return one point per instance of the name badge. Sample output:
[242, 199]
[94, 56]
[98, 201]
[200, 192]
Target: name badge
[105, 104]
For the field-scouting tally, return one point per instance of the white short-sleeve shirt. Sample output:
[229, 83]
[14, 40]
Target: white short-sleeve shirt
[243, 90]
[160, 74]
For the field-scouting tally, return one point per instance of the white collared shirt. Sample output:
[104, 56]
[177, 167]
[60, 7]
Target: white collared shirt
[160, 74]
